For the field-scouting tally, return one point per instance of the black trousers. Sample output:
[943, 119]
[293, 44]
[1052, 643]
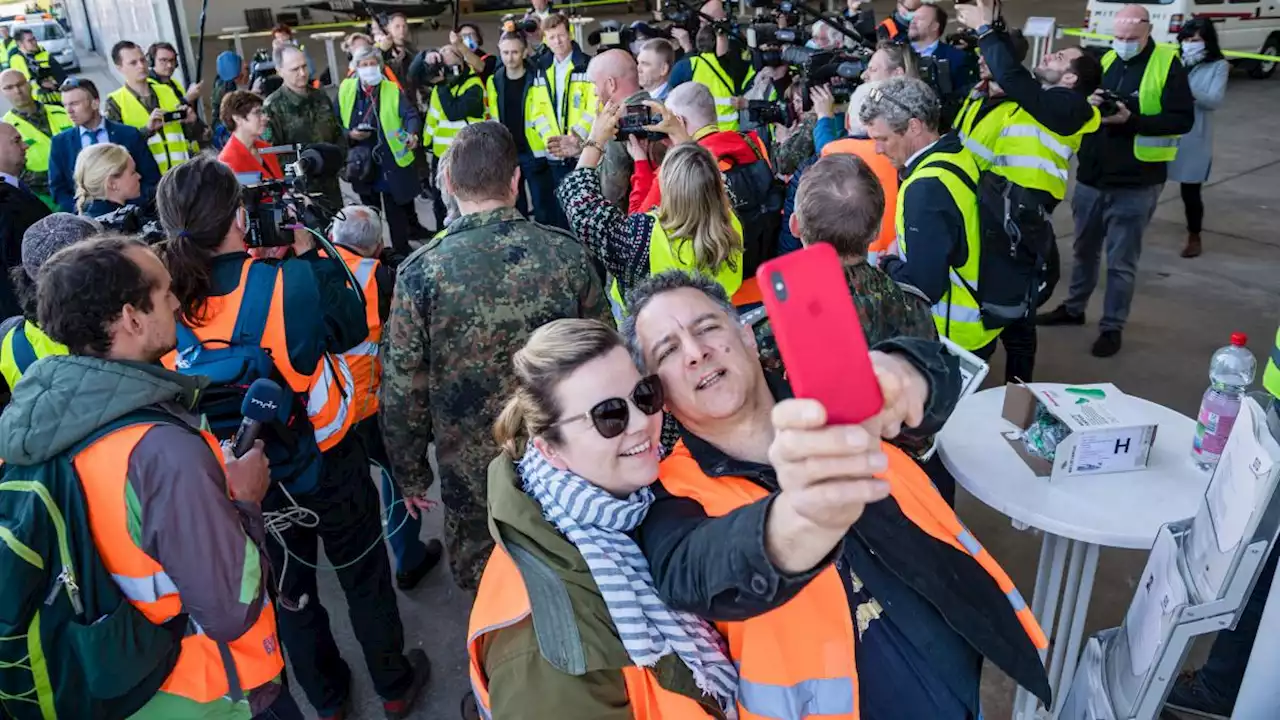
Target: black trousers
[350, 523]
[1194, 206]
[1019, 340]
[400, 219]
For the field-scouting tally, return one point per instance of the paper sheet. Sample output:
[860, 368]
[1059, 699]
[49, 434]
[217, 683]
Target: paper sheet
[1233, 491]
[1159, 594]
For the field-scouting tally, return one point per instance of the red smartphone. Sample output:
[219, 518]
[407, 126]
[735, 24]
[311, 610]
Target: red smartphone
[819, 334]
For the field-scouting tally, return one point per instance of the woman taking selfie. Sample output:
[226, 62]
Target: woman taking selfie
[106, 179]
[692, 229]
[241, 113]
[567, 604]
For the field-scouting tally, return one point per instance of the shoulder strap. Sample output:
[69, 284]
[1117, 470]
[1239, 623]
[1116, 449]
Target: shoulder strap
[957, 171]
[255, 304]
[144, 416]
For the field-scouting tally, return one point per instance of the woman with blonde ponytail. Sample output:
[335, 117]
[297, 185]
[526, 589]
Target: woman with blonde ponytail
[106, 179]
[567, 604]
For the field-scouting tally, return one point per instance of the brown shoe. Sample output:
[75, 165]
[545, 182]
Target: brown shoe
[1193, 246]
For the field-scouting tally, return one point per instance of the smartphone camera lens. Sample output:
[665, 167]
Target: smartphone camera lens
[779, 286]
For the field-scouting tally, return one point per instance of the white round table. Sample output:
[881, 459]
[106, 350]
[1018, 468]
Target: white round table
[1077, 514]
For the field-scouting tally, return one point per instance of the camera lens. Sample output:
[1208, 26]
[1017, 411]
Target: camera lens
[779, 286]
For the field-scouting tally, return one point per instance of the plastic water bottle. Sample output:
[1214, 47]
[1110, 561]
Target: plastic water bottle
[1230, 374]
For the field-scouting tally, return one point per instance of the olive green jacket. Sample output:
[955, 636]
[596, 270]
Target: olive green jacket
[566, 663]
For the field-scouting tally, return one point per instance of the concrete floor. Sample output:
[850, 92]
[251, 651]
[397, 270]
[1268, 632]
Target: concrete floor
[1183, 311]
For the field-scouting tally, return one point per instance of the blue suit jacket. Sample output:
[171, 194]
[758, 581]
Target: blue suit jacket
[66, 148]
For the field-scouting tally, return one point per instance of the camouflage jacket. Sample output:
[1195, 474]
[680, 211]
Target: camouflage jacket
[798, 147]
[464, 303]
[616, 166]
[305, 119]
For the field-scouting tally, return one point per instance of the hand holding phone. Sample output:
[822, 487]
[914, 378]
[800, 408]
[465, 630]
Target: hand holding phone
[819, 334]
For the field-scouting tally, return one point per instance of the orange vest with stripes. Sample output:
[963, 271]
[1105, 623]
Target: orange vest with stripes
[800, 657]
[200, 674]
[886, 173]
[363, 359]
[503, 601]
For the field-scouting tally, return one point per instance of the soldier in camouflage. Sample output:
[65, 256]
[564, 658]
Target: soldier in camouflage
[298, 113]
[464, 303]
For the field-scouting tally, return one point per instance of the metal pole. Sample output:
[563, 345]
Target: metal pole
[1259, 692]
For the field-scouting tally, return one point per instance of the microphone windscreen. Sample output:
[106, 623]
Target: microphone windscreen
[326, 156]
[262, 401]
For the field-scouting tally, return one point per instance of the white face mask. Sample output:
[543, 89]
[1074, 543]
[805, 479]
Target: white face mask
[370, 76]
[1193, 51]
[1126, 49]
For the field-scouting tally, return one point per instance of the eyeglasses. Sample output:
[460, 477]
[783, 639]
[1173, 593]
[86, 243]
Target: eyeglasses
[610, 417]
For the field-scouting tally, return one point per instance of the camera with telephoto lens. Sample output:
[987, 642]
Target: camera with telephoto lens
[611, 35]
[761, 34]
[840, 70]
[511, 23]
[132, 220]
[261, 66]
[1110, 103]
[275, 208]
[764, 112]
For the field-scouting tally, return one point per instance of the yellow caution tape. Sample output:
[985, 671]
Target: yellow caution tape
[1082, 33]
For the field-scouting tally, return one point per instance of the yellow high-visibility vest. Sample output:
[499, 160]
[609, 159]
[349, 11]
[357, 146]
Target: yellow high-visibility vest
[1010, 143]
[708, 71]
[1152, 148]
[440, 128]
[388, 116]
[169, 144]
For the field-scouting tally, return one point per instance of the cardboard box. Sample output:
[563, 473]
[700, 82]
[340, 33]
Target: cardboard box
[1107, 434]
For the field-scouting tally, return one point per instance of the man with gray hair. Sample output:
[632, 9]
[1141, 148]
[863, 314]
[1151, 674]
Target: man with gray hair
[357, 234]
[938, 240]
[300, 114]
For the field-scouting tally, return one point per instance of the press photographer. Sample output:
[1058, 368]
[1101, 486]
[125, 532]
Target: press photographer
[290, 314]
[456, 102]
[34, 62]
[382, 128]
[154, 109]
[720, 62]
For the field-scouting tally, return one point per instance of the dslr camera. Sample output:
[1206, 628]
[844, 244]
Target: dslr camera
[1110, 104]
[635, 119]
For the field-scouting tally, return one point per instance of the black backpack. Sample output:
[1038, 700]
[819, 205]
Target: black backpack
[71, 645]
[757, 197]
[1017, 246]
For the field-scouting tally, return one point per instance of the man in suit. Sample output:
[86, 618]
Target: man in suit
[82, 102]
[925, 32]
[19, 210]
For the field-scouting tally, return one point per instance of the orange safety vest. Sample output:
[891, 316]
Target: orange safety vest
[801, 655]
[503, 601]
[748, 293]
[891, 26]
[888, 176]
[326, 398]
[363, 359]
[200, 674]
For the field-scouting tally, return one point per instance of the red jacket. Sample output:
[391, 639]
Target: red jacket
[729, 147]
[237, 157]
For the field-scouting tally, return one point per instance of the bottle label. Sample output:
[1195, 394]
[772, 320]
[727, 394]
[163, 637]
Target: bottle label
[1212, 431]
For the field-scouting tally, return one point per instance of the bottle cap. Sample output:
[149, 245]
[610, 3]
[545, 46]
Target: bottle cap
[1239, 339]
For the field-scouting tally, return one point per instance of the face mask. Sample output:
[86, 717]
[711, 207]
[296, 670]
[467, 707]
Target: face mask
[906, 16]
[470, 42]
[1193, 52]
[370, 76]
[1126, 49]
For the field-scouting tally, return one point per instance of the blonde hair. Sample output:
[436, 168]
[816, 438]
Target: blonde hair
[551, 354]
[695, 208]
[95, 168]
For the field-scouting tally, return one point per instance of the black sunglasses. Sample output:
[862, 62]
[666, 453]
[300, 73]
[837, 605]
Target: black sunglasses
[611, 416]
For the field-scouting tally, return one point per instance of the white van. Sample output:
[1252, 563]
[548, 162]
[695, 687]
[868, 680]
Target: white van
[51, 37]
[1244, 25]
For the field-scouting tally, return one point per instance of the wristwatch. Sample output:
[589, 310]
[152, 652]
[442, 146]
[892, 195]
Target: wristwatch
[593, 144]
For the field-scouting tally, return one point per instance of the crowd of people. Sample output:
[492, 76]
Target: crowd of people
[723, 552]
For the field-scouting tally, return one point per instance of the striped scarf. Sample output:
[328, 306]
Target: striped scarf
[597, 524]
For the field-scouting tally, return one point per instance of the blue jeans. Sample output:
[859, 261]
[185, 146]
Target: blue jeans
[1114, 218]
[406, 544]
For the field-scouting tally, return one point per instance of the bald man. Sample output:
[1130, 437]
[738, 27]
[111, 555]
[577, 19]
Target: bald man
[1122, 169]
[19, 210]
[38, 123]
[616, 79]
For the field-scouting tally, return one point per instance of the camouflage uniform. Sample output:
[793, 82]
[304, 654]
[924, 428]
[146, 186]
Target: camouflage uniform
[306, 119]
[464, 303]
[616, 166]
[798, 147]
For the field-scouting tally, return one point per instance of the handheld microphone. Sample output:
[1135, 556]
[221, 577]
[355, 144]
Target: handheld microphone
[259, 407]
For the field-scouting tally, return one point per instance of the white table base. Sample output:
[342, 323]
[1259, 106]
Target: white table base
[1065, 641]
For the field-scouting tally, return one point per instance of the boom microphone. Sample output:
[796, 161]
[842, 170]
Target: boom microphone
[320, 160]
[260, 405]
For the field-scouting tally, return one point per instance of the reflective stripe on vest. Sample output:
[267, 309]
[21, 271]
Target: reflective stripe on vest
[1152, 148]
[784, 671]
[38, 144]
[201, 674]
[169, 144]
[363, 359]
[1012, 144]
[956, 313]
[21, 347]
[442, 129]
[502, 601]
[664, 255]
[708, 71]
[543, 120]
[388, 116]
[329, 402]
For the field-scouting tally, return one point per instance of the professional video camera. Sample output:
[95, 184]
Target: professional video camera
[132, 220]
[611, 35]
[514, 23]
[276, 208]
[261, 66]
[691, 18]
[840, 70]
[760, 34]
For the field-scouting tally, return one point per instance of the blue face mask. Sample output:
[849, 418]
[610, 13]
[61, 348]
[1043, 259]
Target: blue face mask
[1126, 49]
[906, 15]
[470, 42]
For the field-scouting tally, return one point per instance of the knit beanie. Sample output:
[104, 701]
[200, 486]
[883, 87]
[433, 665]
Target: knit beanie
[49, 235]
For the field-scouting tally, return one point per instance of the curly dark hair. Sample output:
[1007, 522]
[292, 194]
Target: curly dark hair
[83, 288]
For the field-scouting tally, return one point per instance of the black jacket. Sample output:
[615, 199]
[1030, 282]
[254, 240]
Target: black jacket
[945, 603]
[1062, 110]
[461, 106]
[19, 210]
[1106, 157]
